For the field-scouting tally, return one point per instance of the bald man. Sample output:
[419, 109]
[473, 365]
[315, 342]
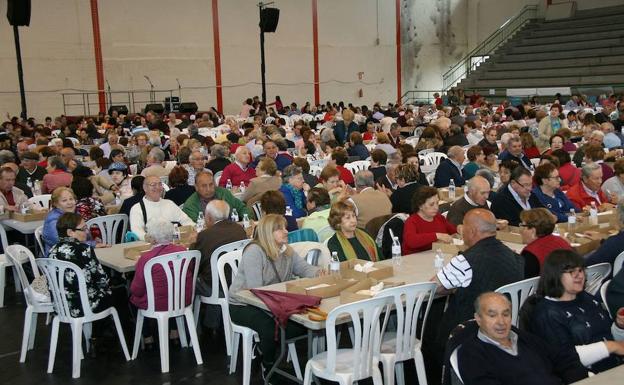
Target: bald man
[240, 170]
[477, 193]
[451, 168]
[500, 353]
[486, 265]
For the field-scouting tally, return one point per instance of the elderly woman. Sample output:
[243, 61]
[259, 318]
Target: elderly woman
[160, 234]
[426, 225]
[567, 316]
[57, 175]
[318, 206]
[179, 190]
[528, 146]
[568, 172]
[118, 172]
[293, 191]
[407, 181]
[72, 247]
[272, 202]
[240, 171]
[218, 158]
[357, 147]
[383, 143]
[349, 242]
[476, 159]
[556, 143]
[595, 154]
[330, 181]
[613, 187]
[265, 261]
[344, 128]
[504, 172]
[63, 201]
[266, 180]
[549, 193]
[549, 126]
[536, 231]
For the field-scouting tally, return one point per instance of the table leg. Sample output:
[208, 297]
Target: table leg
[281, 357]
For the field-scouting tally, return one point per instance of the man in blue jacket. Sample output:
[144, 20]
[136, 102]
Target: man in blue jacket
[451, 168]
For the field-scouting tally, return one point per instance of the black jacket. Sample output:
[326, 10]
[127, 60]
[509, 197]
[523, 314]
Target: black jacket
[506, 207]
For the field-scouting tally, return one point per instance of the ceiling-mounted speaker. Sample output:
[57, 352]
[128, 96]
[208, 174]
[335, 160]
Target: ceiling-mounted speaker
[18, 12]
[269, 17]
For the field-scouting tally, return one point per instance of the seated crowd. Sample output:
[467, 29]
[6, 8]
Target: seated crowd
[528, 165]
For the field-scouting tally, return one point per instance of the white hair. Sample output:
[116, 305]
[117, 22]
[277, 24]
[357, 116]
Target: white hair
[159, 231]
[218, 210]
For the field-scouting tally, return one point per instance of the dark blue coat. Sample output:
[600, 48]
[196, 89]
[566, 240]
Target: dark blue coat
[447, 171]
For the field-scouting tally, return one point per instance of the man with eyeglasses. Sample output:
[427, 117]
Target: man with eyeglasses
[515, 197]
[153, 205]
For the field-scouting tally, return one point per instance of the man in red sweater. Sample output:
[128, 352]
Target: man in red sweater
[588, 189]
[239, 171]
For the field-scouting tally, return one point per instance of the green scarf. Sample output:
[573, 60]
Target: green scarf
[297, 196]
[365, 240]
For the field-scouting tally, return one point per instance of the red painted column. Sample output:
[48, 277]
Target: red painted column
[217, 53]
[317, 95]
[398, 48]
[97, 45]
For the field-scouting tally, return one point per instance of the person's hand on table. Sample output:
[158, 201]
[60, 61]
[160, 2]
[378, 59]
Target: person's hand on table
[322, 272]
[501, 224]
[442, 237]
[101, 245]
[593, 235]
[606, 207]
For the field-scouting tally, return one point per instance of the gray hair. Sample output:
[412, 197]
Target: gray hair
[291, 171]
[608, 126]
[598, 133]
[472, 182]
[589, 168]
[483, 296]
[217, 209]
[454, 152]
[6, 156]
[392, 165]
[159, 231]
[364, 178]
[514, 139]
[157, 154]
[488, 175]
[57, 162]
[217, 151]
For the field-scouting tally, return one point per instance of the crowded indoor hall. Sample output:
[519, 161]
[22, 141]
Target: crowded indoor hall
[472, 233]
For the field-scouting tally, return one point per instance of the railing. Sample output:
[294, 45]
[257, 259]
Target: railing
[87, 103]
[466, 65]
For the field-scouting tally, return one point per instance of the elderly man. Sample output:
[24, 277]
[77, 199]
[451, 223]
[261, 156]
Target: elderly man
[153, 206]
[195, 166]
[476, 196]
[67, 155]
[155, 166]
[11, 197]
[596, 138]
[205, 192]
[450, 168]
[368, 202]
[388, 180]
[514, 152]
[500, 353]
[271, 150]
[240, 170]
[22, 147]
[218, 232]
[588, 189]
[29, 168]
[517, 196]
[611, 139]
[113, 140]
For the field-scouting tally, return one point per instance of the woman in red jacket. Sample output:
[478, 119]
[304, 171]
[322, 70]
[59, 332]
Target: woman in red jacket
[426, 225]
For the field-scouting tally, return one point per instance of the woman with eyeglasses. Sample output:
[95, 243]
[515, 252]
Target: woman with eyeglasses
[566, 315]
[549, 193]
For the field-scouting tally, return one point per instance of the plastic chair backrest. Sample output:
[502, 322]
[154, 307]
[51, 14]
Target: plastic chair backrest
[594, 276]
[434, 158]
[356, 166]
[3, 238]
[217, 177]
[21, 253]
[214, 258]
[176, 267]
[109, 226]
[39, 238]
[617, 264]
[12, 253]
[407, 300]
[231, 260]
[325, 233]
[603, 295]
[302, 235]
[364, 317]
[312, 257]
[316, 170]
[518, 292]
[56, 273]
[257, 208]
[42, 200]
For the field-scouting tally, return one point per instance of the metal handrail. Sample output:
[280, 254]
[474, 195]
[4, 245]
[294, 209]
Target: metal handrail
[131, 99]
[487, 47]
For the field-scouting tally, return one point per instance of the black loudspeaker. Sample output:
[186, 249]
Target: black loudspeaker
[188, 107]
[18, 12]
[121, 110]
[268, 19]
[156, 107]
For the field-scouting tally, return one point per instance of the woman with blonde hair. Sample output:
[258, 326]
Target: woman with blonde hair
[265, 261]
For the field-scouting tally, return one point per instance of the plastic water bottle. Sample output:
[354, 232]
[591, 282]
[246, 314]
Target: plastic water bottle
[288, 212]
[438, 262]
[37, 189]
[117, 198]
[396, 251]
[24, 208]
[334, 264]
[234, 215]
[451, 188]
[242, 187]
[571, 220]
[176, 232]
[228, 184]
[199, 225]
[246, 223]
[593, 214]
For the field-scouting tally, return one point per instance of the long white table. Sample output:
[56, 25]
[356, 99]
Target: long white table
[613, 376]
[22, 227]
[113, 257]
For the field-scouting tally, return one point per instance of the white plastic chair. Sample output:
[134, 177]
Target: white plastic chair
[603, 295]
[518, 292]
[42, 201]
[175, 267]
[405, 343]
[617, 264]
[232, 260]
[357, 166]
[16, 255]
[346, 366]
[325, 233]
[110, 226]
[257, 208]
[431, 161]
[4, 264]
[39, 238]
[316, 170]
[217, 177]
[215, 297]
[55, 272]
[595, 274]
